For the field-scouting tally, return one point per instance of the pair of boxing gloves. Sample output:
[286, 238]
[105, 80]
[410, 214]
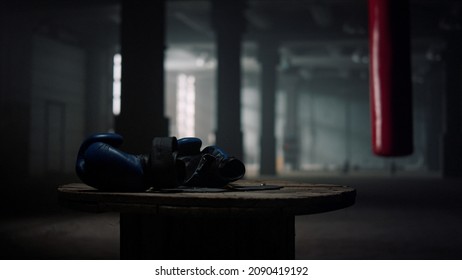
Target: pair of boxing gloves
[171, 163]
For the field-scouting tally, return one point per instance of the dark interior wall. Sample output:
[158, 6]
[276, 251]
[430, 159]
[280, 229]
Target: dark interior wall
[57, 105]
[15, 81]
[56, 86]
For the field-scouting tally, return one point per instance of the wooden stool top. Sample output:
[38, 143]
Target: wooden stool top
[292, 199]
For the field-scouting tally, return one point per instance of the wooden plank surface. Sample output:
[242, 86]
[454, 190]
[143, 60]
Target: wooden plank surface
[292, 199]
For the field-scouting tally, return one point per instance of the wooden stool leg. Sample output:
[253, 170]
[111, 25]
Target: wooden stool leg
[145, 236]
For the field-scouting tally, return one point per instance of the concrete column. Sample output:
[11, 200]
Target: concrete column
[98, 90]
[269, 58]
[291, 126]
[142, 101]
[452, 114]
[433, 86]
[228, 22]
[348, 94]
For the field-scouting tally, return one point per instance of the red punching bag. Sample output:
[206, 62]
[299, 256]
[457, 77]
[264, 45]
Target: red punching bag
[390, 77]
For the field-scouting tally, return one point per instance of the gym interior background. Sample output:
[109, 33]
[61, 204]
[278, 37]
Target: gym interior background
[293, 82]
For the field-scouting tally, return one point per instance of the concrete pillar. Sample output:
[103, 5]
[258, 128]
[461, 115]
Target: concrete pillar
[433, 86]
[228, 22]
[348, 94]
[142, 101]
[98, 90]
[291, 127]
[452, 113]
[269, 58]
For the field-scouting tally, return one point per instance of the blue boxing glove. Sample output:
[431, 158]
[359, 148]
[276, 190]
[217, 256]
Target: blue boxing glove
[210, 168]
[101, 165]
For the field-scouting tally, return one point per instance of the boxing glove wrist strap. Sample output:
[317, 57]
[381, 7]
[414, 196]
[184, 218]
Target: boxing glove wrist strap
[163, 168]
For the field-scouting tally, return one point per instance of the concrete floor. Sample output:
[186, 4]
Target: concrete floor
[395, 217]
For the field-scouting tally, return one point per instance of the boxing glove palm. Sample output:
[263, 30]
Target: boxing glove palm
[101, 165]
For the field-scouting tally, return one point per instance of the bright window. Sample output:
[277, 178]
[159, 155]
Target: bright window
[117, 84]
[185, 105]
